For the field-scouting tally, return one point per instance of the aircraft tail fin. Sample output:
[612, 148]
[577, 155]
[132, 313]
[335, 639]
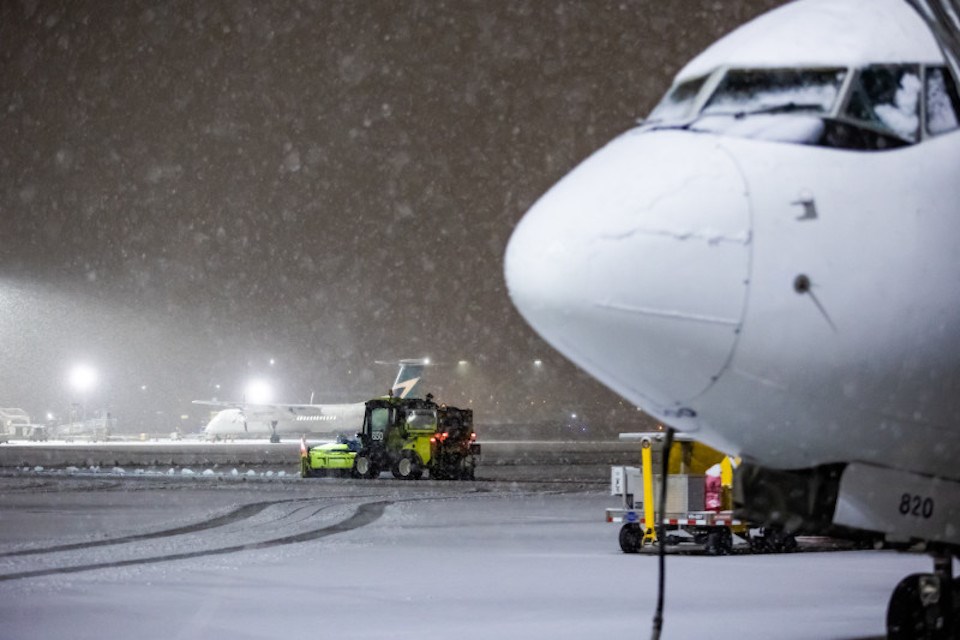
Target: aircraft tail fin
[407, 384]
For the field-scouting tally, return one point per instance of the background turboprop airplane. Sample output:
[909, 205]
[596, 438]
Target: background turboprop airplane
[770, 263]
[245, 420]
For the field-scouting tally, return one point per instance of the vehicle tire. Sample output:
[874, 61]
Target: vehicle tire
[788, 543]
[408, 467]
[779, 541]
[365, 467]
[908, 618]
[719, 543]
[439, 472]
[468, 472]
[631, 538]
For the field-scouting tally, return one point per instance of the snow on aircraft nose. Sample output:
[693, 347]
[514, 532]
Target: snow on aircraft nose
[643, 249]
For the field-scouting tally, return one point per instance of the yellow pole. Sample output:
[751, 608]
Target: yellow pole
[646, 460]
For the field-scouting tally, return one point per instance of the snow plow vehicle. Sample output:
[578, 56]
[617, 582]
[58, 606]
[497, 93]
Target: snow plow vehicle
[408, 436]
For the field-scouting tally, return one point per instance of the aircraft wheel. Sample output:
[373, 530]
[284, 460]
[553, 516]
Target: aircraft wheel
[631, 538]
[916, 609]
[408, 467]
[365, 467]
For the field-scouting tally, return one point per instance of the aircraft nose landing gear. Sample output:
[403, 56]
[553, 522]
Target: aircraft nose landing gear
[926, 606]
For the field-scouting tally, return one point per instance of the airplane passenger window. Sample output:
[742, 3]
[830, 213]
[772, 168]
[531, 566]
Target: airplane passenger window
[678, 103]
[888, 98]
[942, 103]
[745, 92]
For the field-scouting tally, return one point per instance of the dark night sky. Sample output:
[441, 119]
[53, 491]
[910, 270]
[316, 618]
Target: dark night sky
[188, 189]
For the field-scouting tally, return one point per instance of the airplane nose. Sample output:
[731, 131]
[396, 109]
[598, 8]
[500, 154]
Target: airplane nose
[636, 265]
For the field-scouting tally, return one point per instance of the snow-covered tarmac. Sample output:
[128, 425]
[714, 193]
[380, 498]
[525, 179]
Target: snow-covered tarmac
[107, 557]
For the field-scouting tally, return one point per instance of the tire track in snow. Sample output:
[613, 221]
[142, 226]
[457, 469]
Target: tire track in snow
[241, 513]
[246, 511]
[365, 514]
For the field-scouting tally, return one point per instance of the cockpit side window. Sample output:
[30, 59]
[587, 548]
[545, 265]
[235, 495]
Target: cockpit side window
[943, 105]
[678, 103]
[887, 98]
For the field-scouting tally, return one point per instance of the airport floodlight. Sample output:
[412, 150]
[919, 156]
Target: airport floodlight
[272, 362]
[463, 363]
[258, 392]
[83, 378]
[538, 363]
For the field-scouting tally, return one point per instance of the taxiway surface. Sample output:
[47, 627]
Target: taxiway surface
[115, 556]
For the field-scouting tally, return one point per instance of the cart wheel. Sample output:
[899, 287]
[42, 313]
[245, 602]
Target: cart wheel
[631, 538]
[719, 543]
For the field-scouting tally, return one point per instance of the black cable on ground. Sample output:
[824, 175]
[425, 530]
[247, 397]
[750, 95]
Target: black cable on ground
[661, 536]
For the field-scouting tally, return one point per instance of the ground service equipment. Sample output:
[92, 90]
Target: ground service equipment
[699, 503]
[407, 436]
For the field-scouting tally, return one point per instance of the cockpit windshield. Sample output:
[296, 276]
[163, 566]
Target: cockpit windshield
[745, 92]
[887, 98]
[872, 108]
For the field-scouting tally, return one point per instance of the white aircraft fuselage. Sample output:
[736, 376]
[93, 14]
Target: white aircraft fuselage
[261, 422]
[771, 264]
[258, 420]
